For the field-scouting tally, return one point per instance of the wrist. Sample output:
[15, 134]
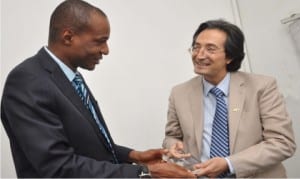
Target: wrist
[134, 156]
[144, 172]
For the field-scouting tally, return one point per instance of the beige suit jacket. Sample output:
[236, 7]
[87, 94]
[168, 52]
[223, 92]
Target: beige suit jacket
[260, 130]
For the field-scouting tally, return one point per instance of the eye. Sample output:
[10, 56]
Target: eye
[211, 49]
[100, 41]
[196, 48]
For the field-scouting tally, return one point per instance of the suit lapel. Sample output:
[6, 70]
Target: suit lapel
[196, 103]
[65, 86]
[236, 105]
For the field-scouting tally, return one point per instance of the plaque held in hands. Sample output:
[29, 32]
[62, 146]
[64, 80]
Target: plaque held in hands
[186, 162]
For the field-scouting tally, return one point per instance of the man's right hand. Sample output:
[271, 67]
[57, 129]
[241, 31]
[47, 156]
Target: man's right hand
[177, 151]
[169, 170]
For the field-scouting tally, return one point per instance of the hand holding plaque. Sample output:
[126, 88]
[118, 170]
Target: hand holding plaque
[186, 162]
[177, 155]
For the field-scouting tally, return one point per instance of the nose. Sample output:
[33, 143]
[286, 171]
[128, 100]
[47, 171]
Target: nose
[201, 53]
[104, 49]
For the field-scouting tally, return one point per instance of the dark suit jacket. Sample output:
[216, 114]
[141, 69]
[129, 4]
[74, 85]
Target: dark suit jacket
[51, 132]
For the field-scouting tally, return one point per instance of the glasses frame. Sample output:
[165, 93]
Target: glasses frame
[208, 49]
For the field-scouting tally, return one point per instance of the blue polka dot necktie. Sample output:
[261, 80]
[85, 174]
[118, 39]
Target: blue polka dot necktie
[220, 138]
[85, 97]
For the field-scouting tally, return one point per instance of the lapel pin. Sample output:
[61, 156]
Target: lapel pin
[236, 109]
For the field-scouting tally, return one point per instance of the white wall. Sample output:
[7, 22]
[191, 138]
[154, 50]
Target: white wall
[148, 55]
[272, 52]
[1, 128]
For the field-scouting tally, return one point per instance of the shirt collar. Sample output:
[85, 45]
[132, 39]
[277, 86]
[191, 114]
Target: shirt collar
[67, 71]
[223, 85]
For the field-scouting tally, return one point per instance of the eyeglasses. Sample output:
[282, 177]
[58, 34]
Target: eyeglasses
[209, 49]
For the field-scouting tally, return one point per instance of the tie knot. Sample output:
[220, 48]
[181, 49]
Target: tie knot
[217, 92]
[77, 79]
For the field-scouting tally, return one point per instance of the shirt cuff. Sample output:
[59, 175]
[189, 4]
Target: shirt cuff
[231, 169]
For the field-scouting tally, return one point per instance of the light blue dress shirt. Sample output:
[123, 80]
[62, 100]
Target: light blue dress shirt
[210, 103]
[67, 71]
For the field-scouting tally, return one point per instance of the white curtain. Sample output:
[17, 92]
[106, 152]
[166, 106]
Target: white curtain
[295, 32]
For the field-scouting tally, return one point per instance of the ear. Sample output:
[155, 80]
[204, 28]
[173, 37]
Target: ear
[68, 36]
[228, 61]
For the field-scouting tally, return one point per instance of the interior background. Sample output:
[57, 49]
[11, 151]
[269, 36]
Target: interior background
[148, 56]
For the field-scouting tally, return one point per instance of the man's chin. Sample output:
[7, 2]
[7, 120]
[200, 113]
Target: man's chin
[200, 71]
[89, 68]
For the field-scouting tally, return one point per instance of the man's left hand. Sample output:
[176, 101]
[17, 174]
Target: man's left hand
[211, 168]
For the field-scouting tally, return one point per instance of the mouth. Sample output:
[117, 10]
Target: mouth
[201, 63]
[97, 60]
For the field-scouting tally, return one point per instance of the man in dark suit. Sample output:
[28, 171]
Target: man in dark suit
[53, 122]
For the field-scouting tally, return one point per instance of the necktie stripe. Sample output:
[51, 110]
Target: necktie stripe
[221, 112]
[221, 126]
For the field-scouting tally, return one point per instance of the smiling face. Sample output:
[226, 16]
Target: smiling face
[208, 55]
[88, 46]
[84, 48]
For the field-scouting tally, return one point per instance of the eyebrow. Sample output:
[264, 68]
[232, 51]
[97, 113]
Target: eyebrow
[208, 44]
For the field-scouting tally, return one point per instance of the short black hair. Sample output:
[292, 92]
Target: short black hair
[234, 44]
[73, 14]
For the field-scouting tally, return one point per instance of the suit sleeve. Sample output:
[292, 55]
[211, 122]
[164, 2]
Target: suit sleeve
[277, 142]
[173, 132]
[36, 129]
[123, 153]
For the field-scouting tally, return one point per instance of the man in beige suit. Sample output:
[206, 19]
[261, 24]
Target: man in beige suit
[258, 130]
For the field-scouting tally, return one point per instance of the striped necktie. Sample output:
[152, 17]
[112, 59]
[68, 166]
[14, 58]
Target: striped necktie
[219, 139]
[85, 97]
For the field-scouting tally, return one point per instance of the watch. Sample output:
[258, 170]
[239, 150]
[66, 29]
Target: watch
[144, 172]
